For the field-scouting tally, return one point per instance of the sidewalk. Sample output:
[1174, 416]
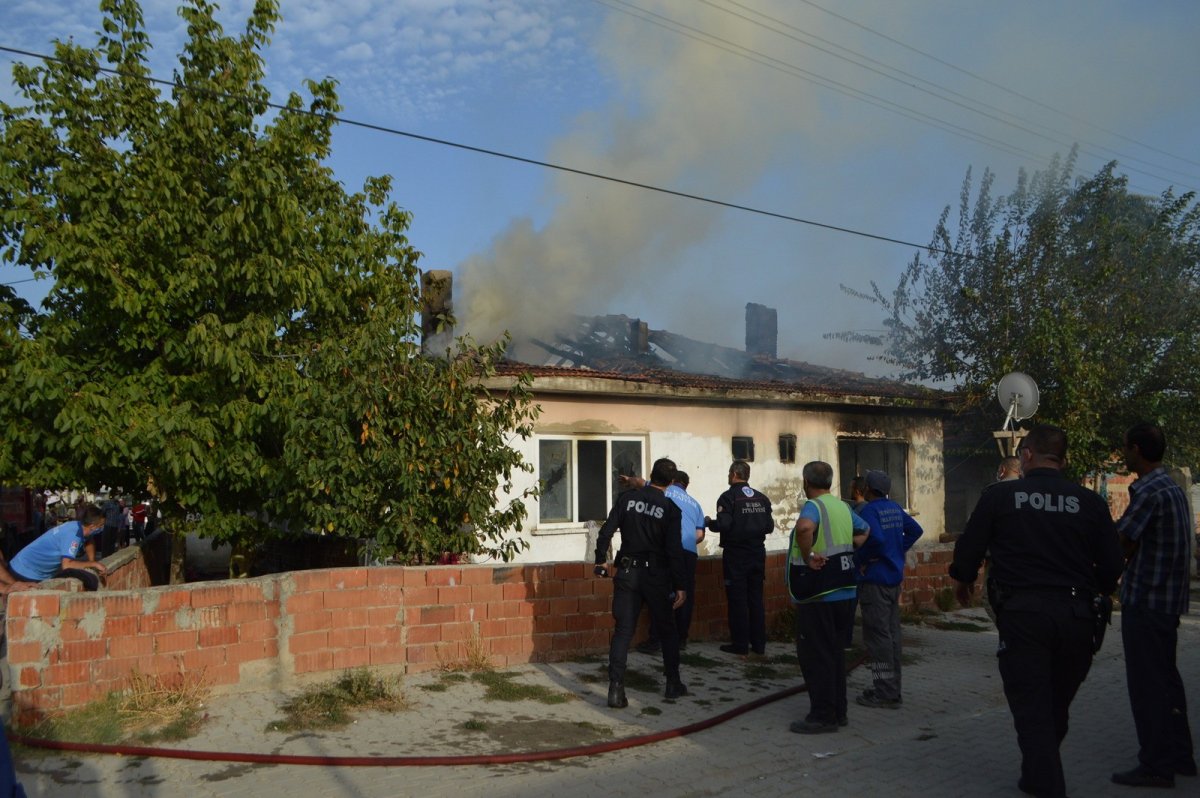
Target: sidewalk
[952, 737]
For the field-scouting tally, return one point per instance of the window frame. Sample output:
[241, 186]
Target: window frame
[789, 439]
[900, 477]
[574, 523]
[748, 440]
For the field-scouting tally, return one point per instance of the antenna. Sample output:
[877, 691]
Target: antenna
[1018, 396]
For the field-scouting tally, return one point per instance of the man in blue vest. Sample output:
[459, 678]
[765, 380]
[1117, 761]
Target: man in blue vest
[825, 537]
[881, 564]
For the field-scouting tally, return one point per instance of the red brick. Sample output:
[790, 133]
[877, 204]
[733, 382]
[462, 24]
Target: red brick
[387, 655]
[210, 638]
[257, 630]
[67, 673]
[595, 604]
[29, 677]
[580, 623]
[121, 627]
[312, 581]
[517, 591]
[341, 599]
[321, 620]
[551, 623]
[414, 576]
[167, 598]
[134, 646]
[19, 653]
[487, 594]
[156, 623]
[220, 594]
[386, 576]
[116, 606]
[314, 662]
[564, 606]
[470, 612]
[553, 589]
[493, 628]
[460, 594]
[416, 635]
[78, 695]
[503, 609]
[243, 612]
[33, 604]
[443, 575]
[210, 617]
[84, 651]
[310, 641]
[353, 658]
[458, 631]
[385, 616]
[222, 674]
[203, 659]
[356, 617]
[519, 626]
[477, 575]
[437, 615]
[347, 638]
[78, 606]
[570, 570]
[578, 587]
[508, 574]
[249, 651]
[420, 596]
[305, 602]
[348, 578]
[169, 642]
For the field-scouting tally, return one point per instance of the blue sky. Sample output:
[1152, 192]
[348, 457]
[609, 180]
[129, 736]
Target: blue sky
[775, 104]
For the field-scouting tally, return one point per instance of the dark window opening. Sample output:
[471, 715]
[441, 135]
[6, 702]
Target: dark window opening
[857, 456]
[787, 448]
[743, 448]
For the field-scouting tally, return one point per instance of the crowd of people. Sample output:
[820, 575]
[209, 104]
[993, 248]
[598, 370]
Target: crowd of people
[1054, 557]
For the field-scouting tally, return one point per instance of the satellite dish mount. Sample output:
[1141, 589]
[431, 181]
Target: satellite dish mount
[1018, 396]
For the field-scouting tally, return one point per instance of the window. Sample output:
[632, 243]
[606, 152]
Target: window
[787, 448]
[856, 456]
[743, 448]
[579, 476]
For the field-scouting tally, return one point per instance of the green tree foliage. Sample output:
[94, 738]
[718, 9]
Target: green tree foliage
[1090, 289]
[227, 324]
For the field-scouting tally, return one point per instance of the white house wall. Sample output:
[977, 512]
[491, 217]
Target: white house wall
[698, 438]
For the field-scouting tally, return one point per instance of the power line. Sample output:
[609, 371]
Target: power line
[993, 84]
[519, 159]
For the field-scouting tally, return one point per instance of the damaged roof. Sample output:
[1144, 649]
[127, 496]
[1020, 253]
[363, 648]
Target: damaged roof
[617, 347]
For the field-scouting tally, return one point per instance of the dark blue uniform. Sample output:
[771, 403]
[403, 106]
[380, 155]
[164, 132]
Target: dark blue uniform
[650, 566]
[743, 521]
[1054, 548]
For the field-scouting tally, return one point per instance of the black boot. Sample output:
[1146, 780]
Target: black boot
[616, 695]
[675, 688]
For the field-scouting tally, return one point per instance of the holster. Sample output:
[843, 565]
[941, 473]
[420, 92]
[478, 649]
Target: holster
[1102, 607]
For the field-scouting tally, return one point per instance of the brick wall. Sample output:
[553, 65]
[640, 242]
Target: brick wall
[67, 648]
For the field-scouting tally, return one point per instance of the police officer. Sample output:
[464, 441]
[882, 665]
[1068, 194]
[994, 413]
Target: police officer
[743, 522]
[650, 568]
[1054, 549]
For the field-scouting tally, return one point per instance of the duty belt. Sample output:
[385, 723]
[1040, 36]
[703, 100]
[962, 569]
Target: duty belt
[637, 561]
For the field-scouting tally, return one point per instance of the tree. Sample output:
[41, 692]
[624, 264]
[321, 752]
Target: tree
[228, 327]
[1090, 289]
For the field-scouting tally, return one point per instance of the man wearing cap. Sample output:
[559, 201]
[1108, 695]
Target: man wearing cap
[880, 562]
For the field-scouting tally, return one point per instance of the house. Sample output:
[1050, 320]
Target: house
[615, 395]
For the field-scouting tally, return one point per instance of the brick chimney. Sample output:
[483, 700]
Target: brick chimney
[639, 337]
[437, 301]
[762, 330]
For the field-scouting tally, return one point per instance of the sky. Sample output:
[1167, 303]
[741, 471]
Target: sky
[863, 115]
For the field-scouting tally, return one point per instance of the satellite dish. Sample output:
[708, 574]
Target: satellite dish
[1018, 395]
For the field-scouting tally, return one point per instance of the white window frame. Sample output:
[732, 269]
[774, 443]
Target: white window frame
[574, 523]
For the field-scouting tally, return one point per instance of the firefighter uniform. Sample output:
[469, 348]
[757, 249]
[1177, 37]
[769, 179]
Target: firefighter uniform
[1053, 548]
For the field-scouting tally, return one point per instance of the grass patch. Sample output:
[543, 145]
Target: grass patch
[474, 725]
[935, 619]
[945, 599]
[693, 660]
[150, 709]
[475, 657]
[759, 671]
[782, 627]
[331, 705]
[650, 711]
[502, 687]
[594, 728]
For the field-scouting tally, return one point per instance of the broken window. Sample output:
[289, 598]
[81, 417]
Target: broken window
[743, 448]
[787, 448]
[579, 476]
[856, 456]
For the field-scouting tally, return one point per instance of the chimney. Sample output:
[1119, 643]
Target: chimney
[639, 337]
[762, 330]
[437, 302]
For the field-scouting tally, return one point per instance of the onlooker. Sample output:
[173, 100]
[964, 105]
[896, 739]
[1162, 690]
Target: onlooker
[691, 532]
[1009, 468]
[881, 562]
[857, 501]
[822, 546]
[743, 521]
[138, 516]
[109, 536]
[1156, 531]
[1054, 549]
[56, 552]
